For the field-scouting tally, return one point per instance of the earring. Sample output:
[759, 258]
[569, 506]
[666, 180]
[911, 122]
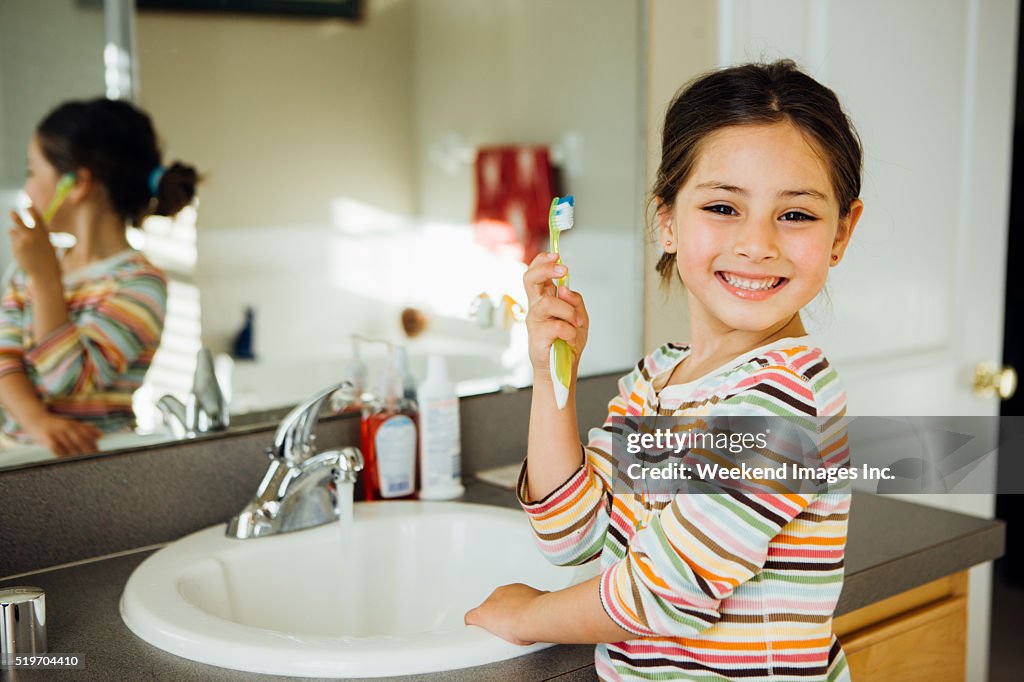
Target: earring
[835, 257]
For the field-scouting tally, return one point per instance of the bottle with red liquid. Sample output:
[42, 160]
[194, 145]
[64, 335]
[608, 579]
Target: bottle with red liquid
[390, 442]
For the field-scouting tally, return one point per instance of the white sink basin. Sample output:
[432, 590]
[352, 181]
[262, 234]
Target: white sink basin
[284, 604]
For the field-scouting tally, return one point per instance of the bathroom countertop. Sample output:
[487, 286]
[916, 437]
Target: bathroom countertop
[892, 546]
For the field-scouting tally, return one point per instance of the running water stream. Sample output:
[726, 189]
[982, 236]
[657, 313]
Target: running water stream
[347, 579]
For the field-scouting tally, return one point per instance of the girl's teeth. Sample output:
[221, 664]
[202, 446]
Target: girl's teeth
[753, 285]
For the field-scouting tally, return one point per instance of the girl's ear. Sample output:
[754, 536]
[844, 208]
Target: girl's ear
[666, 226]
[845, 231]
[84, 183]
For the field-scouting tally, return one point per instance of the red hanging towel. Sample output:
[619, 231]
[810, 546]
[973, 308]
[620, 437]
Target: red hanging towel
[514, 188]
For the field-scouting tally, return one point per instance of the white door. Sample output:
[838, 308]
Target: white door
[918, 301]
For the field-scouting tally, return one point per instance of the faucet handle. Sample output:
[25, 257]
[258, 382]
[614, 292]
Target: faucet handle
[207, 409]
[293, 441]
[350, 463]
[172, 411]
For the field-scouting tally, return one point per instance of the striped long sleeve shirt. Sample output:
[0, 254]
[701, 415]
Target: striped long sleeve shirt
[89, 367]
[718, 586]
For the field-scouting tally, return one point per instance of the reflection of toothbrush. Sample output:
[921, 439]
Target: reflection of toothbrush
[64, 185]
[560, 360]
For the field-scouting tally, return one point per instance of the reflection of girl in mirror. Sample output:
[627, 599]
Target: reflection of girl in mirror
[756, 197]
[78, 329]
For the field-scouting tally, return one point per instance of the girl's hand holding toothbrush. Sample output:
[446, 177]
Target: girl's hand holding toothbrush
[32, 249]
[552, 314]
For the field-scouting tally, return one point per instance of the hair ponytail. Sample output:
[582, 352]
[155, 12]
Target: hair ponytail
[176, 189]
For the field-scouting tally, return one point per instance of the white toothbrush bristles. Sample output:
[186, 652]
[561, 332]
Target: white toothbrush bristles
[563, 216]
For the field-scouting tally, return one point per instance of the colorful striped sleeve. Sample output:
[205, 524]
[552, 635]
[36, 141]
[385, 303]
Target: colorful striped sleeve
[698, 549]
[694, 554]
[93, 349]
[570, 523]
[12, 349]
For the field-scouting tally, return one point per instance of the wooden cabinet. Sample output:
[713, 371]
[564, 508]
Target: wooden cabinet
[916, 636]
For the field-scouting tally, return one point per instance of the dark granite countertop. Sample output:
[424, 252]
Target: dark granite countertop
[892, 546]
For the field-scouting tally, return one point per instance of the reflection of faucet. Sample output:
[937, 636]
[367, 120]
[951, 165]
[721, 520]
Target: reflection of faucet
[481, 310]
[299, 489]
[205, 409]
[488, 314]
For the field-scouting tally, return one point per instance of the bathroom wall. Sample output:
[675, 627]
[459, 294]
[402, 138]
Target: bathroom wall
[542, 74]
[288, 124]
[49, 52]
[238, 95]
[4, 143]
[682, 42]
[368, 223]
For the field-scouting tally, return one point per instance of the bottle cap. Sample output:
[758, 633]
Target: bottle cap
[437, 368]
[446, 492]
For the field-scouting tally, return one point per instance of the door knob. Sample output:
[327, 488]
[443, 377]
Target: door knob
[991, 379]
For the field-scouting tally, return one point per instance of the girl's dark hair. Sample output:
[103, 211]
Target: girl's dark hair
[117, 143]
[755, 94]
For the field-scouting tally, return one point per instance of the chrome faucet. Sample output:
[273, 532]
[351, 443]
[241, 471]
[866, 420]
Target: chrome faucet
[205, 409]
[300, 488]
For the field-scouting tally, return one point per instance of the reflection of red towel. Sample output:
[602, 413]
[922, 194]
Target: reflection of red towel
[514, 188]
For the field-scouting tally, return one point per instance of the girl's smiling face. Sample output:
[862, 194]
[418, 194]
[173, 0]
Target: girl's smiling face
[755, 227]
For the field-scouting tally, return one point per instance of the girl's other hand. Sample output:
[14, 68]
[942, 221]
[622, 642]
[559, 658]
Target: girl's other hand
[64, 437]
[503, 611]
[552, 314]
[32, 248]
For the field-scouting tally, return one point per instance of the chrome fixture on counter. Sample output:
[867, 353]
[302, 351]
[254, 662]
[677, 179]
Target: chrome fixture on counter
[22, 621]
[205, 409]
[299, 489]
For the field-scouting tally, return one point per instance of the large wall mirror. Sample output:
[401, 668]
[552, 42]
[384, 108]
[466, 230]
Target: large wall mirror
[343, 164]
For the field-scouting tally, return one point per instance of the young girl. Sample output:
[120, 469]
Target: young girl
[757, 197]
[78, 330]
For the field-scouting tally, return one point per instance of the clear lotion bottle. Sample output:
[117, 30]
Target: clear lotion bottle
[440, 445]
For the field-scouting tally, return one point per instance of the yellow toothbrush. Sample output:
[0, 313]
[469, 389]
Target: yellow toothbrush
[560, 361]
[64, 185]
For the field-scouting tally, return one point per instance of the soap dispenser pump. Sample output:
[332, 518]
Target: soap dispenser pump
[356, 372]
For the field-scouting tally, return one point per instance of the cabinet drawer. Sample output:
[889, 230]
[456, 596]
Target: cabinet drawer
[926, 644]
